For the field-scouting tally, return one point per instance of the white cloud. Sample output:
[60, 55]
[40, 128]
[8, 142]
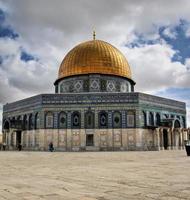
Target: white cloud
[153, 69]
[168, 32]
[187, 33]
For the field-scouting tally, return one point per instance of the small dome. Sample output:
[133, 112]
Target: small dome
[94, 57]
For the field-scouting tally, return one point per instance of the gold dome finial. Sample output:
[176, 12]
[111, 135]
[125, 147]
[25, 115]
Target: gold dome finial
[94, 35]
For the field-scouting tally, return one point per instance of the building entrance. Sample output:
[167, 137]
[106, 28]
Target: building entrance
[165, 136]
[18, 138]
[89, 140]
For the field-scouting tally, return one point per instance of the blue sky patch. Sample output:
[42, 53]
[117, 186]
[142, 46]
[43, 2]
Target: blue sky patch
[180, 43]
[175, 36]
[26, 56]
[140, 41]
[6, 31]
[1, 60]
[176, 93]
[2, 16]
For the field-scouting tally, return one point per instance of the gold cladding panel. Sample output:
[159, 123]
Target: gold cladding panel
[94, 56]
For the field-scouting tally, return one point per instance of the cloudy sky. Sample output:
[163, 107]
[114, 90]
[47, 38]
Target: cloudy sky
[36, 35]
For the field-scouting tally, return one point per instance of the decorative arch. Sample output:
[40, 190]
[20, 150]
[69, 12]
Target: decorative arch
[30, 122]
[144, 119]
[89, 120]
[25, 123]
[76, 119]
[49, 118]
[62, 120]
[18, 118]
[165, 116]
[117, 120]
[103, 119]
[184, 122]
[151, 119]
[37, 121]
[6, 125]
[158, 119]
[12, 122]
[177, 124]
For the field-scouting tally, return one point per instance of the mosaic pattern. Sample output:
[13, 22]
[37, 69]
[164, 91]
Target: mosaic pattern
[124, 87]
[111, 87]
[64, 87]
[94, 83]
[78, 86]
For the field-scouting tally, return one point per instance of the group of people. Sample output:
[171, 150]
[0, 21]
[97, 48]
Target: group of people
[3, 146]
[19, 146]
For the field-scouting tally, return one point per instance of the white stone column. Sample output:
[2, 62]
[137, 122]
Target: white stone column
[180, 139]
[33, 136]
[183, 145]
[157, 139]
[172, 138]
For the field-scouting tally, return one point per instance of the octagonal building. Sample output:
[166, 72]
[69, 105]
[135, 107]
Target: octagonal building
[95, 108]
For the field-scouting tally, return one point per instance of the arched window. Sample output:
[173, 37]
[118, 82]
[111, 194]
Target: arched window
[177, 124]
[144, 119]
[103, 119]
[37, 121]
[76, 120]
[184, 122]
[116, 120]
[13, 122]
[157, 119]
[30, 122]
[18, 122]
[18, 118]
[49, 120]
[62, 120]
[25, 122]
[151, 119]
[89, 119]
[130, 119]
[165, 116]
[6, 125]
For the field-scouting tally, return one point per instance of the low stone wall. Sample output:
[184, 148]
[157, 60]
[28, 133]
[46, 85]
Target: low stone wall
[75, 139]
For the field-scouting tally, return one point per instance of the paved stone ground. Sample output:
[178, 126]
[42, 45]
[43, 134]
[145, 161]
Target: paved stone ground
[95, 175]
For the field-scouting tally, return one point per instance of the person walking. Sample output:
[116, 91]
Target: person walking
[19, 147]
[4, 146]
[51, 148]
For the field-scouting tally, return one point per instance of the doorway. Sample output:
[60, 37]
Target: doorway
[18, 138]
[165, 136]
[90, 140]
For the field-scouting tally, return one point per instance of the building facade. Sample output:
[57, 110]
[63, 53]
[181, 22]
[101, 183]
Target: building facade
[95, 108]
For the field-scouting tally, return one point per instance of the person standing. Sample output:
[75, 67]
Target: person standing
[19, 147]
[51, 148]
[4, 146]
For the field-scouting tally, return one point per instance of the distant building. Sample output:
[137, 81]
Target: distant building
[95, 108]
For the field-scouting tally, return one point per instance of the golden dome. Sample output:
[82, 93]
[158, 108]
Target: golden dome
[94, 57]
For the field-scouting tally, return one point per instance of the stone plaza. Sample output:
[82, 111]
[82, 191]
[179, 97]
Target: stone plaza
[162, 175]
